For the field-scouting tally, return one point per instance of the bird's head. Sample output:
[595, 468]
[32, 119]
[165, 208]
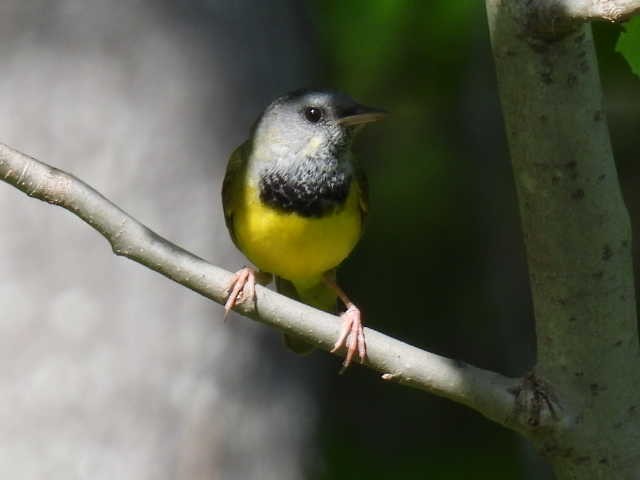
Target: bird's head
[312, 123]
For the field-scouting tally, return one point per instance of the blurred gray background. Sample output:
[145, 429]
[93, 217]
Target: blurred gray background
[106, 369]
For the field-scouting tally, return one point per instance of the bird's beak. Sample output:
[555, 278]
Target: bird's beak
[361, 114]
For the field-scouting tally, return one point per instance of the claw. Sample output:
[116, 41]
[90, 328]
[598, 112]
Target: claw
[351, 336]
[242, 288]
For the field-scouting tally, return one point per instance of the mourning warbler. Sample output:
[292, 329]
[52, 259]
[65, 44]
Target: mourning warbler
[295, 201]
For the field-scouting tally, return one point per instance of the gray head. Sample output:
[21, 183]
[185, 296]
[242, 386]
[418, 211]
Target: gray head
[300, 157]
[312, 122]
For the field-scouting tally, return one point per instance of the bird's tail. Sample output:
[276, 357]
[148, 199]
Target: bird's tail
[318, 295]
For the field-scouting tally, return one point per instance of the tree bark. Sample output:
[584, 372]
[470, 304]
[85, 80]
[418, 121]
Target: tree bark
[577, 235]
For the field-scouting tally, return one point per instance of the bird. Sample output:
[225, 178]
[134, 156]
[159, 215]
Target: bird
[295, 201]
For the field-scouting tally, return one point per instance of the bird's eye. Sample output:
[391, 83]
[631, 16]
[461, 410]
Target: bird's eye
[313, 114]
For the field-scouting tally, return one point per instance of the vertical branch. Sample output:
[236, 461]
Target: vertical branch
[577, 235]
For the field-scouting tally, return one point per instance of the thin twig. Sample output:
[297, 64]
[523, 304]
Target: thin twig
[607, 10]
[549, 20]
[487, 392]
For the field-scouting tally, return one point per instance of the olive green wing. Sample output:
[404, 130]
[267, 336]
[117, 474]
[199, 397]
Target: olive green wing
[232, 185]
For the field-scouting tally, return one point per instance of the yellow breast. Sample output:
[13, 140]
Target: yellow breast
[292, 246]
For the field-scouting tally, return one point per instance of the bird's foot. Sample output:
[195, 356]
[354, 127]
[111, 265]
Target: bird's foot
[241, 288]
[351, 336]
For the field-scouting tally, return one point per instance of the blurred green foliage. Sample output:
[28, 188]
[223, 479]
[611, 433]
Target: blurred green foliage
[418, 269]
[442, 263]
[629, 44]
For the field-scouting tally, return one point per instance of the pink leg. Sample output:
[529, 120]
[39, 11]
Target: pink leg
[242, 287]
[352, 333]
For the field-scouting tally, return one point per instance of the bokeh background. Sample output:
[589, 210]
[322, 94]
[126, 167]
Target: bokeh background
[109, 371]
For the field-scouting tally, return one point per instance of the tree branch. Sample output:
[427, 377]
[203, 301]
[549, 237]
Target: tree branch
[489, 393]
[553, 19]
[578, 240]
[590, 10]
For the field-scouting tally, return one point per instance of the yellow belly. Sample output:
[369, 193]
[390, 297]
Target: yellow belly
[292, 246]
